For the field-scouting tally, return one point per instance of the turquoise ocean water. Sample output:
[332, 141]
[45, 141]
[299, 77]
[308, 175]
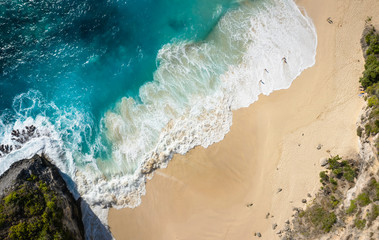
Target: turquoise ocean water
[88, 54]
[109, 90]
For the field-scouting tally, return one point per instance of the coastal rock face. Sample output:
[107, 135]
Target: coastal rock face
[35, 203]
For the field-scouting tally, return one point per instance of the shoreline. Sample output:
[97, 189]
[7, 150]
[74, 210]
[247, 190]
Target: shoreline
[204, 194]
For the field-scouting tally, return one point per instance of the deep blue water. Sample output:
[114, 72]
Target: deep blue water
[88, 54]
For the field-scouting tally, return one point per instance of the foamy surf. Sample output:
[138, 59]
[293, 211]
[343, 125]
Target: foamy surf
[258, 48]
[255, 49]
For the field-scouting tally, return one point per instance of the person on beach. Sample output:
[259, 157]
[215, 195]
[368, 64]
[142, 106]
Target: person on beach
[260, 81]
[284, 59]
[266, 70]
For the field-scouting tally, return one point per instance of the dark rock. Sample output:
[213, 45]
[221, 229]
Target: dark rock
[304, 201]
[259, 235]
[274, 226]
[19, 176]
[309, 195]
[279, 190]
[319, 147]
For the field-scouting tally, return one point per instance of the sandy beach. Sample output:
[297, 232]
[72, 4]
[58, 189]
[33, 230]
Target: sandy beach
[273, 144]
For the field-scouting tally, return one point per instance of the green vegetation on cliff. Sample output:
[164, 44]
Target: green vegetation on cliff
[327, 212]
[322, 214]
[31, 212]
[370, 81]
[371, 72]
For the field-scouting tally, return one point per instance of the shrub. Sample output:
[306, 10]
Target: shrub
[352, 208]
[374, 188]
[333, 181]
[360, 223]
[363, 199]
[12, 197]
[324, 177]
[374, 130]
[322, 218]
[338, 172]
[371, 72]
[334, 162]
[18, 231]
[373, 101]
[368, 129]
[372, 40]
[329, 221]
[374, 213]
[334, 201]
[349, 173]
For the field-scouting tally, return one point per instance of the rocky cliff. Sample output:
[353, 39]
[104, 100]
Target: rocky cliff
[36, 204]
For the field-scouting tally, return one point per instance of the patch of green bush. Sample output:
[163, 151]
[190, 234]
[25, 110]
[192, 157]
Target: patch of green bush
[352, 208]
[374, 213]
[333, 181]
[373, 189]
[360, 223]
[373, 101]
[334, 201]
[324, 177]
[35, 206]
[349, 173]
[339, 169]
[371, 72]
[368, 129]
[363, 199]
[372, 40]
[322, 218]
[334, 162]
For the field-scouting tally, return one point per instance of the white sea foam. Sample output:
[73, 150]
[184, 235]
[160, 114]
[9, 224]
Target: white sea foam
[196, 87]
[189, 103]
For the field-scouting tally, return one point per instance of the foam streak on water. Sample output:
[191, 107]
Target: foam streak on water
[189, 103]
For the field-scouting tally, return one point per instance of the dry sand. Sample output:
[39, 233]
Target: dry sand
[272, 144]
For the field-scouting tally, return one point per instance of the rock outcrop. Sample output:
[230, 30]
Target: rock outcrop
[36, 204]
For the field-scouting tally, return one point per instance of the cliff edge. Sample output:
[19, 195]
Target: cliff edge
[36, 204]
